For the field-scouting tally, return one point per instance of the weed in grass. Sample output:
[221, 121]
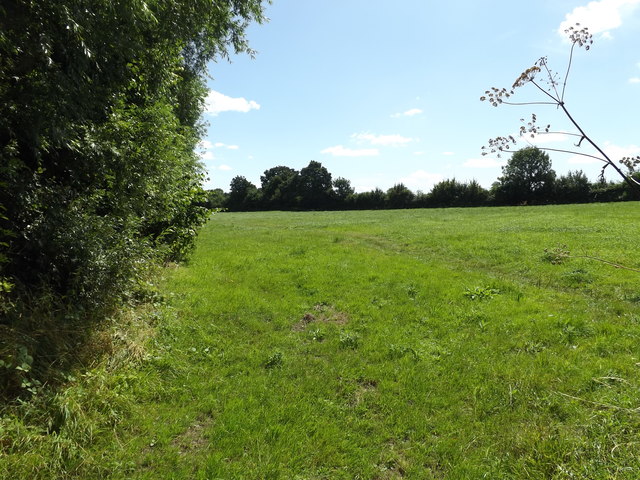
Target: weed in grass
[317, 335]
[399, 351]
[275, 360]
[349, 340]
[412, 291]
[481, 293]
[533, 347]
[557, 255]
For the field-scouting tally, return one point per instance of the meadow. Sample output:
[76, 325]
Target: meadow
[421, 344]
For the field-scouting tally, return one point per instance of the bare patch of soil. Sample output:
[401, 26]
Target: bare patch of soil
[322, 313]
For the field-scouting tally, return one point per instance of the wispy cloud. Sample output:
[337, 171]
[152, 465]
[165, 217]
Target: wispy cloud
[599, 16]
[217, 102]
[409, 113]
[634, 80]
[382, 140]
[341, 151]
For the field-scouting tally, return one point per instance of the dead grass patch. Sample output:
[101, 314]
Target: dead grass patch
[322, 313]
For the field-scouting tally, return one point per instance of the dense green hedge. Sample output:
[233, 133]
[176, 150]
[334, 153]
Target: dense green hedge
[100, 102]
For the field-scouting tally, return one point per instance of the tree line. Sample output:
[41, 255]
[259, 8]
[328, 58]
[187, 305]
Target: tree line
[527, 179]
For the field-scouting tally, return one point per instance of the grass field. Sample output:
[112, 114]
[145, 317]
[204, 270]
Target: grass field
[418, 344]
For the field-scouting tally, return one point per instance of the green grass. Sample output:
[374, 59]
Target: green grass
[426, 344]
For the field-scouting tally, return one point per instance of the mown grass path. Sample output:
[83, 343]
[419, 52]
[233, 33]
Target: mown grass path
[422, 344]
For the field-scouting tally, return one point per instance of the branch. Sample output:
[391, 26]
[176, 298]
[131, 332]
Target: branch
[635, 186]
[555, 100]
[529, 103]
[572, 152]
[615, 265]
[566, 76]
[543, 61]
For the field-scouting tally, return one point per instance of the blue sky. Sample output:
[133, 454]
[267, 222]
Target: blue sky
[386, 92]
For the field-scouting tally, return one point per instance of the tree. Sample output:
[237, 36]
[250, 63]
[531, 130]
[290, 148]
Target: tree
[373, 200]
[280, 187]
[343, 191]
[216, 198]
[399, 196]
[574, 187]
[243, 195]
[451, 193]
[553, 87]
[315, 187]
[526, 179]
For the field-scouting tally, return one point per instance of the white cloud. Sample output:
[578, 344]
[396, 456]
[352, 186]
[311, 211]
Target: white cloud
[382, 140]
[599, 16]
[225, 168]
[409, 113]
[206, 155]
[217, 102]
[634, 80]
[205, 145]
[448, 154]
[340, 151]
[228, 147]
[484, 162]
[421, 180]
[616, 152]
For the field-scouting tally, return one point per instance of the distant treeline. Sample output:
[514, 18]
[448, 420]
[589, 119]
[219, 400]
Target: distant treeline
[312, 188]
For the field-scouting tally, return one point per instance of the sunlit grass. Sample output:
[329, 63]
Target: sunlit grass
[393, 344]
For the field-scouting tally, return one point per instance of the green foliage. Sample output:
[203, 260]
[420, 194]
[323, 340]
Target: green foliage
[280, 188]
[315, 187]
[526, 179]
[343, 190]
[243, 195]
[399, 196]
[574, 187]
[99, 118]
[373, 200]
[216, 198]
[451, 193]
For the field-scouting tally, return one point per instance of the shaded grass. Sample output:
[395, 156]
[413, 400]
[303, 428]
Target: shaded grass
[393, 344]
